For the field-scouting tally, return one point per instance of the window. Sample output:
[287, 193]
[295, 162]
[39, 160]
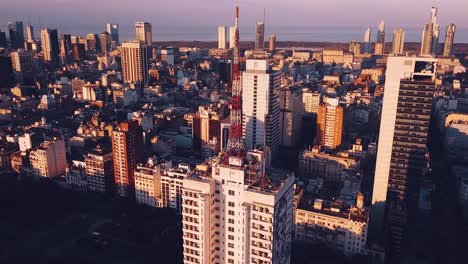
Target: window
[231, 192]
[231, 204]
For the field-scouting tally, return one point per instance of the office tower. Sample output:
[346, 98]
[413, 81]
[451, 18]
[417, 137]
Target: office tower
[291, 112]
[92, 41]
[355, 47]
[6, 71]
[127, 151]
[100, 170]
[272, 42]
[430, 35]
[79, 51]
[206, 126]
[221, 37]
[144, 33]
[105, 39]
[29, 33]
[380, 44]
[260, 109]
[113, 30]
[3, 40]
[232, 35]
[366, 47]
[449, 38]
[48, 160]
[409, 89]
[66, 45]
[311, 101]
[330, 124]
[15, 29]
[239, 212]
[21, 61]
[135, 62]
[50, 45]
[260, 36]
[225, 71]
[398, 42]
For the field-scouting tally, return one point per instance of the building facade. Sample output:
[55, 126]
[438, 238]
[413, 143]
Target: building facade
[398, 43]
[330, 124]
[49, 160]
[449, 38]
[222, 37]
[135, 62]
[100, 170]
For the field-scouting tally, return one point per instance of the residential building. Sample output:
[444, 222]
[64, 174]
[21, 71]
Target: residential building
[311, 100]
[260, 108]
[21, 61]
[100, 170]
[206, 126]
[398, 43]
[291, 112]
[449, 38]
[260, 36]
[48, 160]
[135, 62]
[272, 42]
[222, 37]
[316, 164]
[330, 124]
[127, 150]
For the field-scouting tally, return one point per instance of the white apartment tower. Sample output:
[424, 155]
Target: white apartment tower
[398, 43]
[260, 108]
[232, 33]
[135, 61]
[233, 213]
[221, 37]
[311, 101]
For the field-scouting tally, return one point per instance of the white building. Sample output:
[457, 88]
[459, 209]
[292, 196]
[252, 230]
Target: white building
[234, 213]
[398, 68]
[221, 37]
[260, 107]
[100, 170]
[25, 141]
[49, 158]
[311, 101]
[232, 34]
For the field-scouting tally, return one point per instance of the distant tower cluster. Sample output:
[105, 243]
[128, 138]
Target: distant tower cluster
[398, 43]
[430, 36]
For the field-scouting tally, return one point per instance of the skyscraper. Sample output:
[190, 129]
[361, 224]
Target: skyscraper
[100, 170]
[21, 61]
[409, 89]
[260, 108]
[29, 33]
[135, 62]
[92, 41]
[449, 38]
[221, 37]
[50, 45]
[366, 47]
[398, 43]
[15, 29]
[330, 124]
[380, 44]
[144, 32]
[113, 30]
[232, 34]
[66, 45]
[3, 40]
[355, 47]
[127, 151]
[260, 36]
[272, 42]
[105, 39]
[430, 35]
[6, 71]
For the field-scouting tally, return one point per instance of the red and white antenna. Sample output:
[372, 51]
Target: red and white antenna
[235, 146]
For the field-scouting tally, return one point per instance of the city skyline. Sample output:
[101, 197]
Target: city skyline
[309, 23]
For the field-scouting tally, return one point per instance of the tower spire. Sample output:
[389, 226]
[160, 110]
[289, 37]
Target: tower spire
[235, 146]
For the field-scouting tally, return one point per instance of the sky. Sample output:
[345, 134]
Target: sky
[177, 16]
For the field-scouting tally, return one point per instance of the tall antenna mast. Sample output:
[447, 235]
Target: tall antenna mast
[235, 146]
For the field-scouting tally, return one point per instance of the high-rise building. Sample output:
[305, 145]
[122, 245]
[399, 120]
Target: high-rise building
[6, 71]
[241, 212]
[366, 47]
[398, 43]
[221, 37]
[206, 126]
[50, 45]
[330, 124]
[66, 46]
[105, 39]
[15, 29]
[100, 170]
[29, 33]
[79, 51]
[272, 42]
[113, 30]
[355, 47]
[380, 44]
[260, 108]
[21, 61]
[3, 40]
[291, 111]
[260, 36]
[232, 34]
[49, 158]
[311, 101]
[144, 32]
[449, 38]
[127, 151]
[135, 62]
[92, 41]
[430, 35]
[401, 162]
